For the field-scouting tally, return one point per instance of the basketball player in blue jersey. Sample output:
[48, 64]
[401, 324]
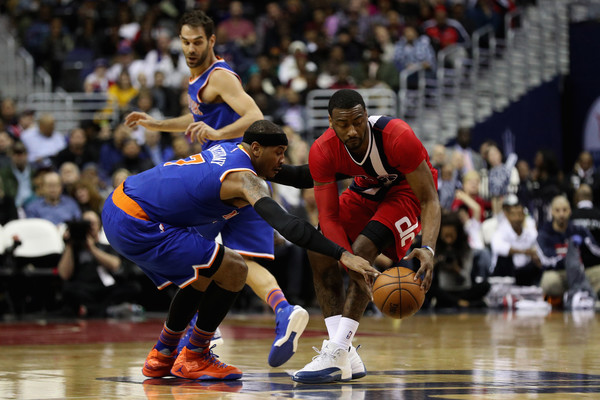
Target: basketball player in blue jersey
[220, 111]
[148, 219]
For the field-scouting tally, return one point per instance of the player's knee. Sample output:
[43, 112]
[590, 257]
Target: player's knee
[233, 271]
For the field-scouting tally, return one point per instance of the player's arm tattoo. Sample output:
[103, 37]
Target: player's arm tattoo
[254, 188]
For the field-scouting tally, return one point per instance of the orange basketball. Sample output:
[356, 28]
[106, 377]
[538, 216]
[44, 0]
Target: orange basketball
[396, 294]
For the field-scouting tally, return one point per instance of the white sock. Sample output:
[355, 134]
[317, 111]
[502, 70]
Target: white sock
[332, 324]
[345, 333]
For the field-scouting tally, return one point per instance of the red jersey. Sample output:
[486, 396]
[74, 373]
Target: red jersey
[393, 151]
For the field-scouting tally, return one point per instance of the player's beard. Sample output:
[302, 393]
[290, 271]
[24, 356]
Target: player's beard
[354, 144]
[200, 60]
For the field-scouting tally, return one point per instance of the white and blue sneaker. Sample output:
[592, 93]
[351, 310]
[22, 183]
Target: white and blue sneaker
[331, 364]
[217, 338]
[358, 367]
[289, 325]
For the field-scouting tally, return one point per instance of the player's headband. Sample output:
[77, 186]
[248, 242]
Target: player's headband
[266, 139]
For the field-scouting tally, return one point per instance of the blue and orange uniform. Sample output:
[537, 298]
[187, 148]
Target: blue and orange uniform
[148, 217]
[248, 234]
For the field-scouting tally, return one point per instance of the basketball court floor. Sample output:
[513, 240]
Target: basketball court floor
[486, 355]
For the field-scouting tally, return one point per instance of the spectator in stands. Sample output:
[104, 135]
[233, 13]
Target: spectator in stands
[238, 28]
[25, 121]
[383, 39]
[43, 141]
[453, 285]
[500, 175]
[156, 147]
[110, 152]
[54, 205]
[8, 210]
[87, 196]
[97, 80]
[6, 143]
[181, 147]
[17, 178]
[553, 240]
[525, 188]
[8, 115]
[92, 272]
[69, 174]
[444, 31]
[126, 62]
[373, 71]
[548, 182]
[584, 171]
[57, 44]
[133, 160]
[414, 51]
[472, 159]
[469, 196]
[586, 215]
[514, 245]
[77, 150]
[120, 94]
[119, 177]
[144, 102]
[290, 66]
[165, 97]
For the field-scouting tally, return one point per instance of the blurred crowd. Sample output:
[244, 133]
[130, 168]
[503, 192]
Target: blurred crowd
[503, 215]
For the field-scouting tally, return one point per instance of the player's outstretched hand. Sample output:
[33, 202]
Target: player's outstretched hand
[425, 256]
[361, 268]
[139, 118]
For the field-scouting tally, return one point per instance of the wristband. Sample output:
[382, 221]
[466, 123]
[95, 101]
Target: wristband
[430, 249]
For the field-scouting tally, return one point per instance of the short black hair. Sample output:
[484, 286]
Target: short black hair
[345, 99]
[197, 19]
[264, 126]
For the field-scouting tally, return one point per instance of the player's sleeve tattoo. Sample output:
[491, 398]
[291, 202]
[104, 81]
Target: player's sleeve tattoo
[254, 187]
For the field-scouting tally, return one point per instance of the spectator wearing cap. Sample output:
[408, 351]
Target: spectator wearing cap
[126, 61]
[43, 141]
[17, 177]
[97, 80]
[514, 245]
[54, 205]
[292, 64]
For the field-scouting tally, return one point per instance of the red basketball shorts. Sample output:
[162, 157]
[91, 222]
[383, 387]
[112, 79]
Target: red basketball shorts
[398, 211]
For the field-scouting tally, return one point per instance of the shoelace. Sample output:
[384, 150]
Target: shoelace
[212, 357]
[323, 354]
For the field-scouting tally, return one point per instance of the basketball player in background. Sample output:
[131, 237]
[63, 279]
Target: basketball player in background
[392, 194]
[220, 111]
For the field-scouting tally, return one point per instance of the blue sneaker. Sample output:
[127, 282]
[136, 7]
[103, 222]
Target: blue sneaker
[289, 325]
[185, 339]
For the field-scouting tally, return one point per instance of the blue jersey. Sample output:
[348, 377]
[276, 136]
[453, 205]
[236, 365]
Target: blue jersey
[186, 192]
[215, 115]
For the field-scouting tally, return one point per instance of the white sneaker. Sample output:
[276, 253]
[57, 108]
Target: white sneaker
[358, 367]
[217, 338]
[331, 364]
[582, 301]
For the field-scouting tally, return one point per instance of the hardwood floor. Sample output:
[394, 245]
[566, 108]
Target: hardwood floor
[493, 355]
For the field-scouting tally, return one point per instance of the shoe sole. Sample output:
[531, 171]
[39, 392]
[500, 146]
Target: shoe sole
[324, 376]
[151, 374]
[232, 376]
[288, 344]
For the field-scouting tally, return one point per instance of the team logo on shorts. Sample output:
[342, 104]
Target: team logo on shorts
[387, 179]
[231, 214]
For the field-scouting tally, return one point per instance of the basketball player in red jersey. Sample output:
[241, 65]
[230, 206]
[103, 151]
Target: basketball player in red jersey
[393, 193]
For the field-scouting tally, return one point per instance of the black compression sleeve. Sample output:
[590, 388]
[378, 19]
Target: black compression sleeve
[297, 176]
[296, 230]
